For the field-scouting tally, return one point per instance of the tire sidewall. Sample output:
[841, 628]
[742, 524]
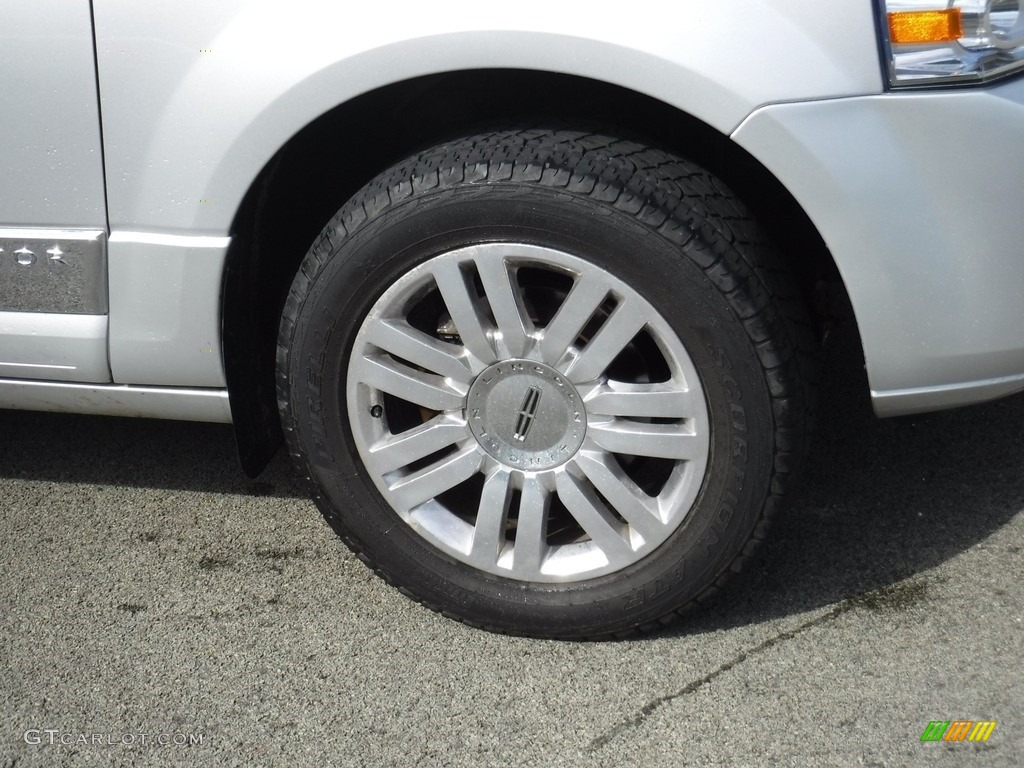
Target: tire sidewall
[358, 267]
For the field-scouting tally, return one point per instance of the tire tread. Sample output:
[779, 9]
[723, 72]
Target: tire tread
[669, 196]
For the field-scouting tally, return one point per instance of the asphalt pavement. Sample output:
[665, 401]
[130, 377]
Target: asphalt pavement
[151, 595]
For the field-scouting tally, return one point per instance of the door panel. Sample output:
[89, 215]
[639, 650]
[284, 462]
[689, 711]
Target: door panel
[51, 165]
[53, 223]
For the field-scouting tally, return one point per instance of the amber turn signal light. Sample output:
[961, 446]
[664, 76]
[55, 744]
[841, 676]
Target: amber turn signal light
[925, 26]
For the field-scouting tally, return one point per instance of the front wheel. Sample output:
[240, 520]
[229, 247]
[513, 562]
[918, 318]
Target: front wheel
[541, 382]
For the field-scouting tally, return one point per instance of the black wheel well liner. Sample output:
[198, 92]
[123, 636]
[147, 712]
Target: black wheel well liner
[325, 163]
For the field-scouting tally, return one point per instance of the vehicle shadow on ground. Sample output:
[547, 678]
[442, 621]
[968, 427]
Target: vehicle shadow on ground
[134, 453]
[880, 502]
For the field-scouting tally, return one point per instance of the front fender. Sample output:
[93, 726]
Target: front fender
[198, 96]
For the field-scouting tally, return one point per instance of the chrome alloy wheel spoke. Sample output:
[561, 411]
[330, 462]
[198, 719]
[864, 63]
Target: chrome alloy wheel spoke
[608, 534]
[530, 546]
[506, 304]
[611, 339]
[444, 474]
[400, 339]
[528, 413]
[565, 327]
[630, 438]
[412, 385]
[393, 452]
[491, 519]
[502, 299]
[632, 504]
[616, 398]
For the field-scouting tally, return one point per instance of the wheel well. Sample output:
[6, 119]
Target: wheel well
[324, 164]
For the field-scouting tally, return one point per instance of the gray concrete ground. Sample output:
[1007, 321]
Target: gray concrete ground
[148, 588]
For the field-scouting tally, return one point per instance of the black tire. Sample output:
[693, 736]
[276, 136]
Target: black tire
[646, 218]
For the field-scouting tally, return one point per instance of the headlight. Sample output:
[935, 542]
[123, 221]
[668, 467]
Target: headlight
[942, 42]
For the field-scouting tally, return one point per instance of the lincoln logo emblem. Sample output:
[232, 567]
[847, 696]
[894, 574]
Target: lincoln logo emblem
[527, 413]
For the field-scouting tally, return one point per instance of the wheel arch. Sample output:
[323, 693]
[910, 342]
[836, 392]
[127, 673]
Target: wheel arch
[328, 160]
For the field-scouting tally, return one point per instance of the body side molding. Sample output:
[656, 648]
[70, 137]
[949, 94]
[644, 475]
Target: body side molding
[210, 405]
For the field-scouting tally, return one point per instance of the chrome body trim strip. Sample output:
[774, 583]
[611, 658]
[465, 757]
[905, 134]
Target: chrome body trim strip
[177, 241]
[53, 270]
[904, 402]
[210, 405]
[38, 365]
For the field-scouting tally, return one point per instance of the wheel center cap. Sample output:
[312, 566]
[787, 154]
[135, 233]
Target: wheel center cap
[526, 415]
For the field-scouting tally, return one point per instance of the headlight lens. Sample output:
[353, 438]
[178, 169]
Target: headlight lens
[942, 42]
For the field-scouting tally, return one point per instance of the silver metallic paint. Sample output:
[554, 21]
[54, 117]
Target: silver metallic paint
[55, 346]
[197, 96]
[165, 309]
[51, 170]
[918, 197]
[902, 402]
